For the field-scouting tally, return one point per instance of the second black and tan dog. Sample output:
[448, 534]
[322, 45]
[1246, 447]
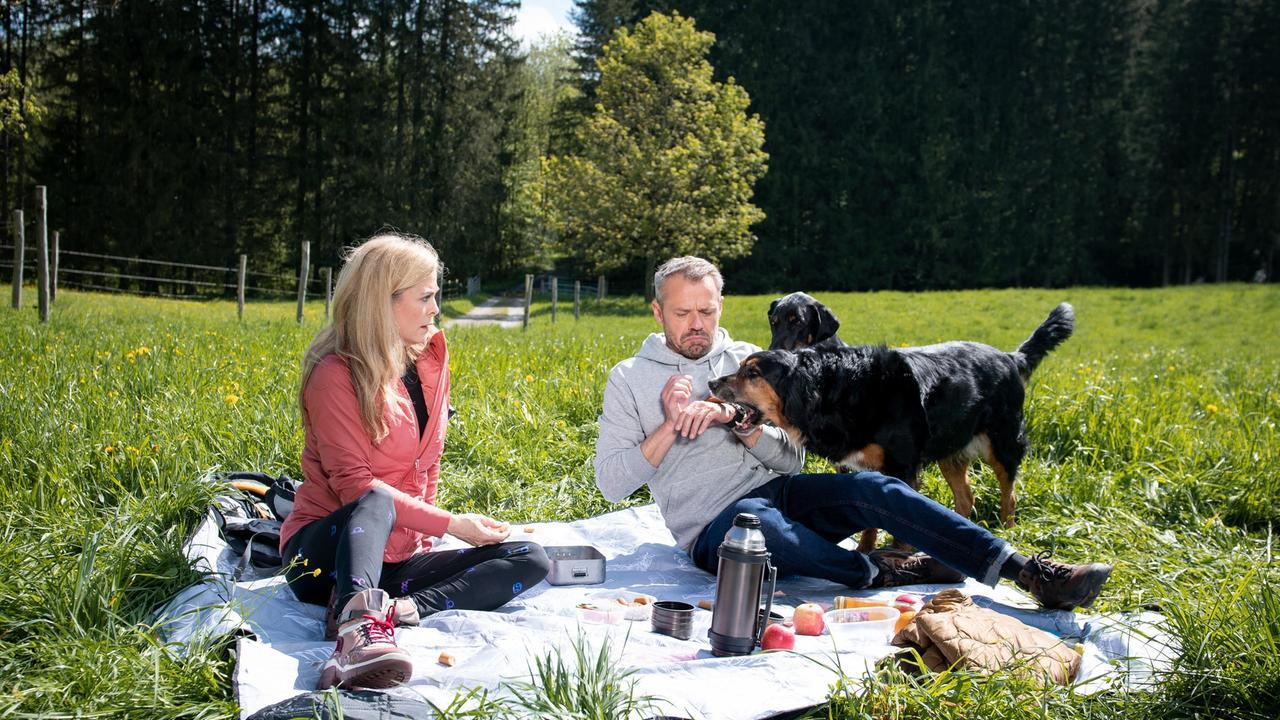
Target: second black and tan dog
[897, 409]
[798, 321]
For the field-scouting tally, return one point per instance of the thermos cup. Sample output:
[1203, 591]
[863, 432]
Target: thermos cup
[736, 623]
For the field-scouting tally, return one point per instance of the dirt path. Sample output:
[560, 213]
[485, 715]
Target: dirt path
[507, 312]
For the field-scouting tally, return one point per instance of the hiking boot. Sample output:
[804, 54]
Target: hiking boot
[899, 568]
[366, 655]
[1061, 586]
[405, 614]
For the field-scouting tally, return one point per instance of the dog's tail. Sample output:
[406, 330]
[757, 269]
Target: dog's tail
[1056, 328]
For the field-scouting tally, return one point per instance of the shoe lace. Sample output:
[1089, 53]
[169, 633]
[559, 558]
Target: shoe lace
[380, 630]
[1047, 570]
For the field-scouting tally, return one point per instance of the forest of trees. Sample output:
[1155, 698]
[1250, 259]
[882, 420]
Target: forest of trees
[911, 145]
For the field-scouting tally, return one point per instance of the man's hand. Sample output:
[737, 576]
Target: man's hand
[675, 396]
[477, 529]
[697, 416]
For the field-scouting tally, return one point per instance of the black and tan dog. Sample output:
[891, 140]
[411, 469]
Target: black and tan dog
[897, 409]
[798, 321]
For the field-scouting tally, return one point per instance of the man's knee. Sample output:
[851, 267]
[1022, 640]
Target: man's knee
[753, 505]
[864, 483]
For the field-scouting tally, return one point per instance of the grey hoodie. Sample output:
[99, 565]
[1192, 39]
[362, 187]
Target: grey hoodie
[698, 478]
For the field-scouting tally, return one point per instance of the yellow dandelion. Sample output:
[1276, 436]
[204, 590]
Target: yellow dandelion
[528, 378]
[231, 399]
[130, 357]
[1211, 408]
[108, 449]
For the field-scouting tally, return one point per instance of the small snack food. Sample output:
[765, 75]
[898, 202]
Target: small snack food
[601, 613]
[635, 606]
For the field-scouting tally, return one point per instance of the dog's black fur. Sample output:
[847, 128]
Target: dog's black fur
[894, 410]
[799, 321]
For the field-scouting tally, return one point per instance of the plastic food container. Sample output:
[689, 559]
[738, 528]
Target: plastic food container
[575, 565]
[601, 613]
[862, 625]
[637, 606]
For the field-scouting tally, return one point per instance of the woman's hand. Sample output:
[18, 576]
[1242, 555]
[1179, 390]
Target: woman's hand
[477, 529]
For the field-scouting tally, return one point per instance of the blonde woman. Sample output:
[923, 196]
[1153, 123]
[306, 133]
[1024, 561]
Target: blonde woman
[374, 400]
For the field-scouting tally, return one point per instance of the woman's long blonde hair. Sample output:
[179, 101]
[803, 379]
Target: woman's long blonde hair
[364, 331]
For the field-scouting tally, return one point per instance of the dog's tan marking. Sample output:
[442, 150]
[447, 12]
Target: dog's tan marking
[758, 392]
[867, 541]
[870, 457]
[1008, 501]
[955, 470]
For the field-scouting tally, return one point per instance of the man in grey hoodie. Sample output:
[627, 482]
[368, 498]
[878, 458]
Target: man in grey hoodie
[660, 427]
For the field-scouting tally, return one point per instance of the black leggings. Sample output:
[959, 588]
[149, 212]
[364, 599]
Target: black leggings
[347, 546]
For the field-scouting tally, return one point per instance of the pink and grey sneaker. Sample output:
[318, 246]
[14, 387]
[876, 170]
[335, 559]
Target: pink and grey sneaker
[366, 654]
[405, 614]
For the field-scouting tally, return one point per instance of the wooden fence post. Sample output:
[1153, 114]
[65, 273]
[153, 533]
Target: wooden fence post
[528, 298]
[328, 291]
[555, 296]
[244, 266]
[19, 235]
[577, 298]
[303, 271]
[42, 254]
[53, 274]
[599, 287]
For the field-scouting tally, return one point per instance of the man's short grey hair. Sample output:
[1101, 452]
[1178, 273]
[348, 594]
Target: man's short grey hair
[692, 268]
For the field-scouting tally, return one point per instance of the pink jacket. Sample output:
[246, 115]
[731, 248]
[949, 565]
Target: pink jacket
[340, 463]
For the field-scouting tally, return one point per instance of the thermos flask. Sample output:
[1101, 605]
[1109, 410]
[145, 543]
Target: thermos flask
[736, 621]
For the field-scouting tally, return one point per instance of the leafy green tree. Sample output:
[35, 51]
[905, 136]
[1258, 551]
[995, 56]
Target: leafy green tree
[668, 159]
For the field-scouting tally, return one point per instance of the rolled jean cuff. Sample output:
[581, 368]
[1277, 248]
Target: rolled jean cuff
[991, 577]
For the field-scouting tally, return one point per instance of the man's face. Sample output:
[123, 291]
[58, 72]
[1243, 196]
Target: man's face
[689, 314]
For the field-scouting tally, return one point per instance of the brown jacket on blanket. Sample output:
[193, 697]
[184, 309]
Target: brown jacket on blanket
[950, 631]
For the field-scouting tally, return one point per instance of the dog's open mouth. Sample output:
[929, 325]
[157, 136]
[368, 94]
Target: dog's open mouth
[750, 417]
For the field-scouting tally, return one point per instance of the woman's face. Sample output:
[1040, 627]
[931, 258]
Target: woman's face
[414, 309]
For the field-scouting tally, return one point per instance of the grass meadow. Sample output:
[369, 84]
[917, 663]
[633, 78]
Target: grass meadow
[1154, 447]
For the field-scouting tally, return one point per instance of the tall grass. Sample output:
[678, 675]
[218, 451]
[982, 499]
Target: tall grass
[1153, 433]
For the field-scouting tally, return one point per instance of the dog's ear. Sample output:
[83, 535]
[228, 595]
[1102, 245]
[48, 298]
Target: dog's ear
[799, 399]
[826, 321]
[774, 306]
[904, 401]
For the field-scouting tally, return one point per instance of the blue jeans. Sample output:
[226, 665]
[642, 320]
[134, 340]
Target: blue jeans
[803, 517]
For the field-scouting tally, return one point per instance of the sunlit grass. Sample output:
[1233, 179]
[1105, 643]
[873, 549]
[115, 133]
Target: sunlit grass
[1153, 432]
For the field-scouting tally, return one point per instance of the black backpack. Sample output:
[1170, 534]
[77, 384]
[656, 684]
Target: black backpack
[249, 509]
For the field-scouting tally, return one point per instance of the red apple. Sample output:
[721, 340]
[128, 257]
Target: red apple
[808, 619]
[906, 603]
[778, 637]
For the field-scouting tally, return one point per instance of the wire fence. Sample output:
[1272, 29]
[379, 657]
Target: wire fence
[132, 275]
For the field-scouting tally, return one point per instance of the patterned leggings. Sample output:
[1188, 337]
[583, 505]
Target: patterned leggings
[347, 547]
